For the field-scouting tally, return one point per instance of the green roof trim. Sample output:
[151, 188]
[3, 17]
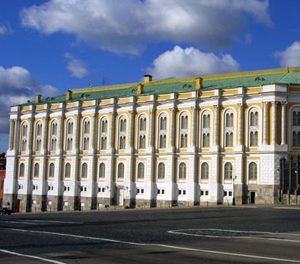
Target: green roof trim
[221, 81]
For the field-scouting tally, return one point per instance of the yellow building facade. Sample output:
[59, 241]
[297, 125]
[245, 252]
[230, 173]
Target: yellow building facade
[203, 140]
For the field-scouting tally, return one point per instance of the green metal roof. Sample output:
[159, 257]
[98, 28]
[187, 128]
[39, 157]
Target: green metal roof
[173, 85]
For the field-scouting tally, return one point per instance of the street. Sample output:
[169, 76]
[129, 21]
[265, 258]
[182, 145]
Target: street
[179, 235]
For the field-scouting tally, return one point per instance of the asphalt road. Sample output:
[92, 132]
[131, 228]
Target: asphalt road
[195, 235]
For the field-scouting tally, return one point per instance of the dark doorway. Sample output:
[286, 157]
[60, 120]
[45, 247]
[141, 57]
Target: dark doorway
[252, 197]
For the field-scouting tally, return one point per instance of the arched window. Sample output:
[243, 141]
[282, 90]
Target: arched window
[204, 171]
[51, 170]
[53, 135]
[182, 171]
[253, 127]
[24, 129]
[142, 132]
[183, 130]
[252, 171]
[101, 171]
[228, 171]
[69, 134]
[67, 171]
[161, 171]
[229, 128]
[122, 132]
[22, 170]
[140, 171]
[206, 129]
[121, 171]
[103, 133]
[162, 131]
[85, 134]
[36, 171]
[24, 133]
[296, 128]
[84, 171]
[38, 136]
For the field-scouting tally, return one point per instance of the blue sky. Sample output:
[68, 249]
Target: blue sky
[50, 46]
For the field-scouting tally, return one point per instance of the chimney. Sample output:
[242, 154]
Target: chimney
[69, 95]
[147, 78]
[140, 88]
[199, 83]
[38, 98]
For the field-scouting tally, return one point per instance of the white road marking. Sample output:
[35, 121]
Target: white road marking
[30, 256]
[162, 245]
[38, 222]
[183, 232]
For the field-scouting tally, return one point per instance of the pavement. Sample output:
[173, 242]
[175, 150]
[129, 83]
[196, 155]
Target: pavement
[181, 235]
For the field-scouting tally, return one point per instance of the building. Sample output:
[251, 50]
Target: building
[2, 175]
[203, 140]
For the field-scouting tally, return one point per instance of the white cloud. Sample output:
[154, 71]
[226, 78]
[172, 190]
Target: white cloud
[290, 57]
[76, 67]
[16, 87]
[127, 26]
[188, 62]
[4, 30]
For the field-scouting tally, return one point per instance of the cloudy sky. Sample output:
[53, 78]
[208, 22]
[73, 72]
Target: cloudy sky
[49, 46]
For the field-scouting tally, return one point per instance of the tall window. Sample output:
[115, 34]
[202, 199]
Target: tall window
[121, 171]
[22, 170]
[101, 171]
[85, 134]
[38, 136]
[161, 171]
[12, 134]
[140, 171]
[296, 127]
[53, 136]
[204, 171]
[67, 171]
[103, 133]
[229, 128]
[162, 131]
[183, 130]
[69, 134]
[84, 171]
[252, 171]
[36, 171]
[228, 171]
[206, 129]
[182, 171]
[122, 132]
[142, 132]
[24, 128]
[51, 170]
[253, 127]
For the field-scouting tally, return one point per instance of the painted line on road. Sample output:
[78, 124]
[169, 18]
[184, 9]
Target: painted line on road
[38, 222]
[31, 256]
[184, 232]
[162, 245]
[287, 208]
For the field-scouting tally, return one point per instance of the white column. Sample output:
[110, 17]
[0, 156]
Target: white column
[17, 134]
[241, 124]
[131, 130]
[173, 127]
[45, 132]
[112, 129]
[283, 123]
[194, 126]
[266, 123]
[151, 129]
[217, 125]
[274, 123]
[93, 132]
[12, 126]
